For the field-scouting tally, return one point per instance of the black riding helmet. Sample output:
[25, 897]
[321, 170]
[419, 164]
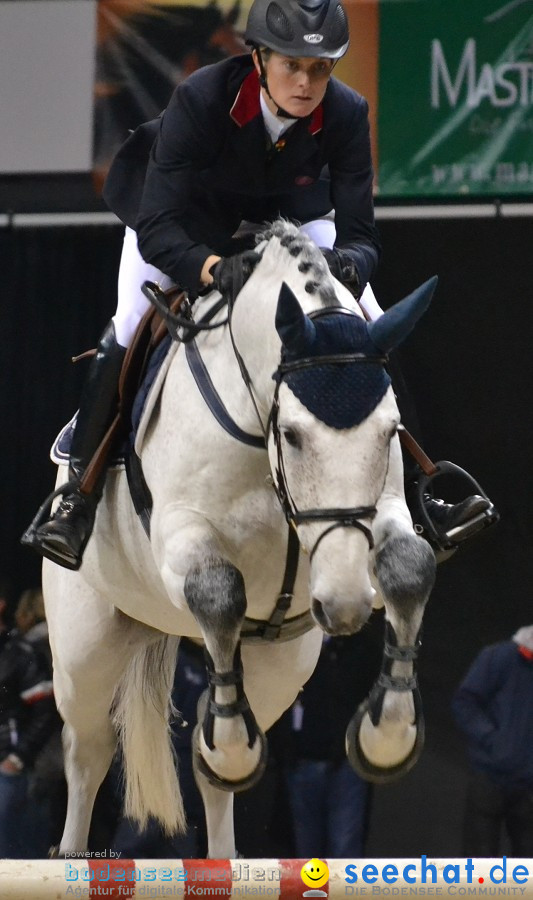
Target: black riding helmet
[317, 28]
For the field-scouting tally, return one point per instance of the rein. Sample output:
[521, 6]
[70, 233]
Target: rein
[185, 322]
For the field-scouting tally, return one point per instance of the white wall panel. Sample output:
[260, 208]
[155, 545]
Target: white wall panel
[47, 52]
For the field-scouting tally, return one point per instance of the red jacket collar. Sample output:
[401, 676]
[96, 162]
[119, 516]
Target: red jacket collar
[246, 106]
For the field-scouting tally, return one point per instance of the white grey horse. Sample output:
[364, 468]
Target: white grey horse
[297, 369]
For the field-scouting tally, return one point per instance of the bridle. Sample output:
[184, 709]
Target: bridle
[347, 517]
[340, 517]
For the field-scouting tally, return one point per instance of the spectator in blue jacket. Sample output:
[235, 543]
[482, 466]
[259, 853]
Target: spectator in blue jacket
[494, 708]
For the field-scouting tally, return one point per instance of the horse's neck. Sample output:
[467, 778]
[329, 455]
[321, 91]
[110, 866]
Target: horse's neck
[257, 345]
[254, 319]
[254, 334]
[190, 419]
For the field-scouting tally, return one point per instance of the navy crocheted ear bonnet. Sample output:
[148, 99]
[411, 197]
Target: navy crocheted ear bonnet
[340, 394]
[343, 394]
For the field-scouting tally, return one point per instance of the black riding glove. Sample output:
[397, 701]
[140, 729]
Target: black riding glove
[231, 272]
[342, 267]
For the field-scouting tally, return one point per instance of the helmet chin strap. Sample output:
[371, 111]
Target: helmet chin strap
[282, 113]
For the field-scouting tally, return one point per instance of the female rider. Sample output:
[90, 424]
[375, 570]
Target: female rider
[249, 139]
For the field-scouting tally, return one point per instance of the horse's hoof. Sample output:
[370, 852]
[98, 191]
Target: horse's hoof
[363, 766]
[223, 784]
[53, 852]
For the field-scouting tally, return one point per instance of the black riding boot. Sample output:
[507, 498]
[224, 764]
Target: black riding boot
[64, 536]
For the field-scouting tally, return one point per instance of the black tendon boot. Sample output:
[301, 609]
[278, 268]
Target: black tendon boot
[64, 536]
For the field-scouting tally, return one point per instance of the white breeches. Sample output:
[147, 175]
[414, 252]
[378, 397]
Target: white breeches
[322, 232]
[369, 304]
[134, 271]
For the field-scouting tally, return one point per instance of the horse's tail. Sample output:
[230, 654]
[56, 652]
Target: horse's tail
[142, 712]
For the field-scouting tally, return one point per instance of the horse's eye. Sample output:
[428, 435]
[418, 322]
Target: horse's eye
[292, 438]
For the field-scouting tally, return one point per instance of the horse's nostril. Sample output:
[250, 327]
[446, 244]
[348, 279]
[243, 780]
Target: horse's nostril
[318, 612]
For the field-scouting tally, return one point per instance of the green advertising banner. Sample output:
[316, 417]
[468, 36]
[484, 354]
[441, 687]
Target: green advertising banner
[455, 88]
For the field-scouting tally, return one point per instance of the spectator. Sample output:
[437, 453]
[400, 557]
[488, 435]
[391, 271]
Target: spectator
[47, 789]
[494, 708]
[26, 720]
[330, 802]
[30, 620]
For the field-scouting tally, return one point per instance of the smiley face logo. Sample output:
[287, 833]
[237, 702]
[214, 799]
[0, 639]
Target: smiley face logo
[315, 873]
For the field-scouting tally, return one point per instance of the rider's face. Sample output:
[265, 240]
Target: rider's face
[297, 83]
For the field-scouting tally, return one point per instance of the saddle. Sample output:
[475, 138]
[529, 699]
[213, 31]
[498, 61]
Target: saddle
[151, 331]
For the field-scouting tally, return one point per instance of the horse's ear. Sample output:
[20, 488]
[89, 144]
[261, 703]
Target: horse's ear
[295, 329]
[394, 325]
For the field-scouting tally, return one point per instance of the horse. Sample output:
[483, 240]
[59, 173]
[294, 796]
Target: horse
[289, 442]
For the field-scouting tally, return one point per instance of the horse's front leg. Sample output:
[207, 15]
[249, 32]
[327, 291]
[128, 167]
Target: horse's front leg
[386, 736]
[228, 746]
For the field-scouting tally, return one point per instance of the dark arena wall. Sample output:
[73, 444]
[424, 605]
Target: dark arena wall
[469, 367]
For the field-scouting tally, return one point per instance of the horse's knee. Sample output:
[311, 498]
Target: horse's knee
[406, 569]
[215, 595]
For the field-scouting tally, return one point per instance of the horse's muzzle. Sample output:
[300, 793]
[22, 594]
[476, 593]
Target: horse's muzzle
[336, 622]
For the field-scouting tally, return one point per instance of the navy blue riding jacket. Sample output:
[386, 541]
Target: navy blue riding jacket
[494, 708]
[212, 165]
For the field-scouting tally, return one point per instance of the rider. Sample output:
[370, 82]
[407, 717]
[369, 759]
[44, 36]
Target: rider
[254, 137]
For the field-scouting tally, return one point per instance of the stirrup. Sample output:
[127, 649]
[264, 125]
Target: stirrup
[30, 537]
[447, 542]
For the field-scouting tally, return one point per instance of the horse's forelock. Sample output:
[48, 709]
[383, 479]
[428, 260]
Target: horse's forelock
[286, 244]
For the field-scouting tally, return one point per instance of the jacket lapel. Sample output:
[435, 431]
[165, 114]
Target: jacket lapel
[251, 144]
[270, 167]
